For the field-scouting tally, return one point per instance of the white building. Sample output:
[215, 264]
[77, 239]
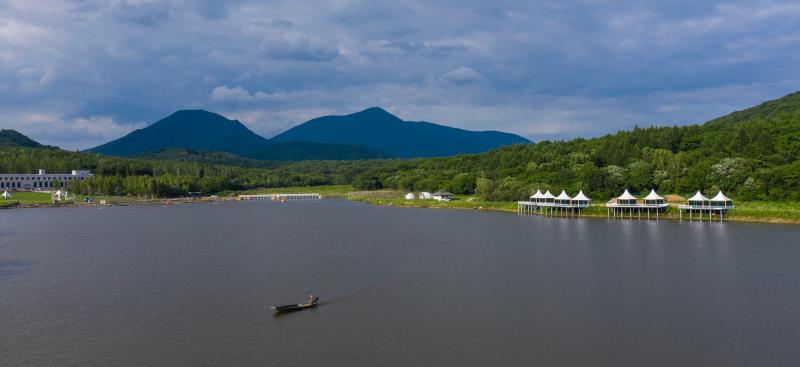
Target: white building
[442, 196]
[41, 181]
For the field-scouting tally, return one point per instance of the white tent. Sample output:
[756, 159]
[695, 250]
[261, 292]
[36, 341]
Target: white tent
[626, 199]
[581, 197]
[698, 199]
[563, 198]
[548, 197]
[538, 195]
[410, 196]
[721, 197]
[626, 196]
[6, 195]
[425, 195]
[652, 196]
[721, 200]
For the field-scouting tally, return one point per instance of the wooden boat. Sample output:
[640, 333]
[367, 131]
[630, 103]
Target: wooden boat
[312, 302]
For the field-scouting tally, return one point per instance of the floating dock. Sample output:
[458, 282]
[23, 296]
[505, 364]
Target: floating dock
[280, 197]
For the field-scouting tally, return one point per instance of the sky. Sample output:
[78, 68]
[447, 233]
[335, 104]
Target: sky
[79, 73]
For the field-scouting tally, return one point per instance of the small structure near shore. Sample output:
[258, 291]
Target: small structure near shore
[442, 196]
[700, 204]
[629, 204]
[410, 196]
[547, 204]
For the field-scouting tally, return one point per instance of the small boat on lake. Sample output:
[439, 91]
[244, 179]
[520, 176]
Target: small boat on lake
[312, 302]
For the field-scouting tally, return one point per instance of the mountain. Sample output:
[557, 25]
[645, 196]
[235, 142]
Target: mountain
[12, 138]
[377, 129]
[207, 131]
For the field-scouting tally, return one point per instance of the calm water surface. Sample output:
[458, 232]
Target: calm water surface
[190, 285]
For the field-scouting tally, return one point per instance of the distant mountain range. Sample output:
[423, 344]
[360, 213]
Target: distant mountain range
[207, 131]
[369, 134]
[377, 129]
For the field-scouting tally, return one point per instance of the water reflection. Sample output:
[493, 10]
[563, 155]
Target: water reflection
[10, 268]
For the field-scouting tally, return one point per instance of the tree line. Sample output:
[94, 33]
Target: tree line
[752, 154]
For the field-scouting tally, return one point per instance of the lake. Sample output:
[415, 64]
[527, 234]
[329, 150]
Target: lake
[190, 285]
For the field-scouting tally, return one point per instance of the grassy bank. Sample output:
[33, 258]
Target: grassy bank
[772, 212]
[28, 199]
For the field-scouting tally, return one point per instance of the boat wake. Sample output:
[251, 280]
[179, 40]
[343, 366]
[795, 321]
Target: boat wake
[358, 292]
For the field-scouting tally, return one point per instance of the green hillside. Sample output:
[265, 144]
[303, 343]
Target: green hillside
[12, 138]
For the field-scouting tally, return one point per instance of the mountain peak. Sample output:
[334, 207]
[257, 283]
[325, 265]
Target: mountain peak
[375, 114]
[380, 130]
[193, 129]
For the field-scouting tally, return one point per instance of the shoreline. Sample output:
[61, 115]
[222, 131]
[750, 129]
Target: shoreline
[670, 216]
[505, 207]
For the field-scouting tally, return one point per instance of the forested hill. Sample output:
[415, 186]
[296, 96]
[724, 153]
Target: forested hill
[12, 138]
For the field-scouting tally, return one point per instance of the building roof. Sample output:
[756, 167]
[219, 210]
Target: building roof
[626, 196]
[698, 197]
[581, 197]
[442, 193]
[537, 195]
[563, 196]
[653, 196]
[721, 197]
[548, 195]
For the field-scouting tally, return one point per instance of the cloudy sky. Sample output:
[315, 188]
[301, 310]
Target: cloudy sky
[79, 73]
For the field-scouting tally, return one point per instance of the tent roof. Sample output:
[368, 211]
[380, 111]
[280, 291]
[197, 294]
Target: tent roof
[653, 196]
[698, 197]
[537, 195]
[581, 197]
[563, 196]
[721, 197]
[548, 195]
[626, 196]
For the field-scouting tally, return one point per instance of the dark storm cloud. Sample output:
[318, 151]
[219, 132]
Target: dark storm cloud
[77, 73]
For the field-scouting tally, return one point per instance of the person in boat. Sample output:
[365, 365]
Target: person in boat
[312, 300]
